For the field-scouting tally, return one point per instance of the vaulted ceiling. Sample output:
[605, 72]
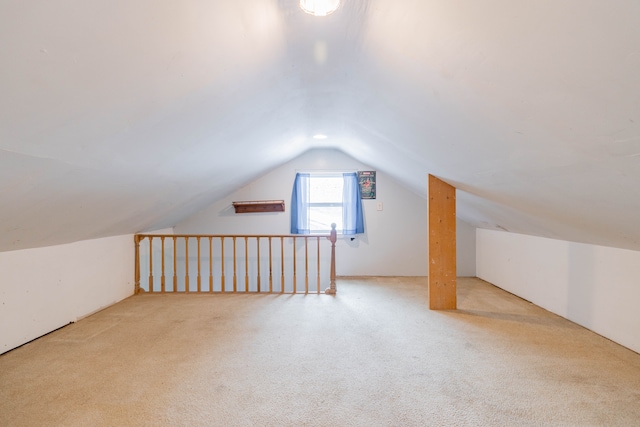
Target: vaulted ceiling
[121, 116]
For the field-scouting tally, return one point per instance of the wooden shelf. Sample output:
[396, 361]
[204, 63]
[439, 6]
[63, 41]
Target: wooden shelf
[259, 206]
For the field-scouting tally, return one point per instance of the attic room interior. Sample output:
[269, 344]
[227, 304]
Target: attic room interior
[122, 119]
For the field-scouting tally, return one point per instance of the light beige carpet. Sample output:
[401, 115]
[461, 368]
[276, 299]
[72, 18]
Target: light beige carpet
[373, 355]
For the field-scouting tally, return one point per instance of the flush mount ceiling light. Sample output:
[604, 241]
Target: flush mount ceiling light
[319, 136]
[319, 7]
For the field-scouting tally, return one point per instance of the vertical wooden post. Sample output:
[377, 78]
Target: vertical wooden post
[246, 264]
[331, 290]
[295, 288]
[318, 258]
[235, 276]
[162, 278]
[442, 244]
[282, 264]
[175, 263]
[306, 265]
[186, 264]
[270, 268]
[222, 285]
[258, 249]
[210, 264]
[199, 275]
[136, 289]
[150, 264]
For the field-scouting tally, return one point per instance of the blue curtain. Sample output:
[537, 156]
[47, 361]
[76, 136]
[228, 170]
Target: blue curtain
[300, 204]
[352, 216]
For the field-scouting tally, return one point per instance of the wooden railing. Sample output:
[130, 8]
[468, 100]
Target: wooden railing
[235, 263]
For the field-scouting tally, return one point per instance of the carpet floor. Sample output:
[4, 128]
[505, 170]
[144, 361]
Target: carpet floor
[373, 355]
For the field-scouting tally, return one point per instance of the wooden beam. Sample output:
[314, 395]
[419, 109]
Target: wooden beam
[442, 244]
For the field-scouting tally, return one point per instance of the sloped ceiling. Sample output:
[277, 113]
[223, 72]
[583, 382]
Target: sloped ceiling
[122, 116]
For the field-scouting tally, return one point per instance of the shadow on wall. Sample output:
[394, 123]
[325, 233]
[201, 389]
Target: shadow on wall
[231, 211]
[581, 284]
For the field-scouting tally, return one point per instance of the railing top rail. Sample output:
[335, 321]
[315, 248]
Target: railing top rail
[143, 235]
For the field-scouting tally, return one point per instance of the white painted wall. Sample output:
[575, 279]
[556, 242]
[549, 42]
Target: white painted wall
[45, 288]
[394, 242]
[597, 287]
[465, 249]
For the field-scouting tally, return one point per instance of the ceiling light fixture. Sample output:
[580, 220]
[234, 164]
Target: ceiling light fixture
[319, 136]
[319, 7]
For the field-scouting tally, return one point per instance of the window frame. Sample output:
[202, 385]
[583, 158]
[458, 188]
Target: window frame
[336, 175]
[353, 216]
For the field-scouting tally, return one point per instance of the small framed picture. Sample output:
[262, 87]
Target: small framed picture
[367, 181]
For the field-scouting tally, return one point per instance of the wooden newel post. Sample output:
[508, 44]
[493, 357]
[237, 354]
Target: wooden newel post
[136, 289]
[331, 290]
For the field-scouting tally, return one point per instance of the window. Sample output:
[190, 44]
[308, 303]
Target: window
[321, 199]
